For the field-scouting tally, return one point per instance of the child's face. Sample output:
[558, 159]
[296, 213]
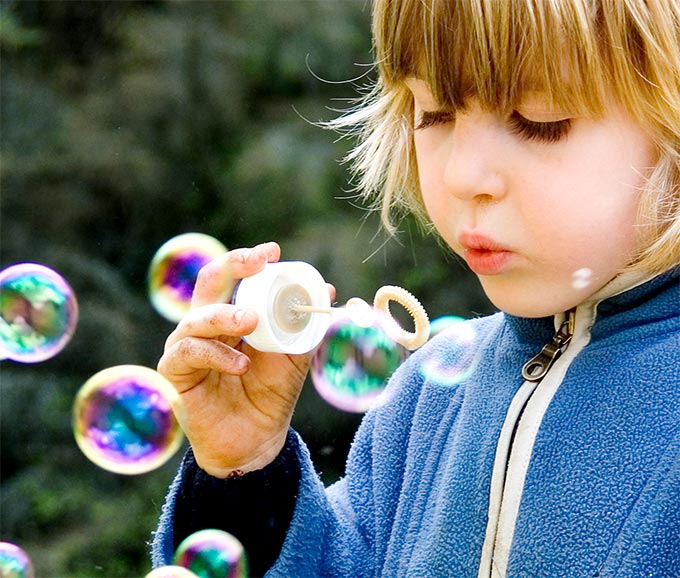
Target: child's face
[542, 208]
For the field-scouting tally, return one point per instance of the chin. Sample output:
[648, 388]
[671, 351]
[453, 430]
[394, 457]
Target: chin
[532, 298]
[529, 313]
[526, 307]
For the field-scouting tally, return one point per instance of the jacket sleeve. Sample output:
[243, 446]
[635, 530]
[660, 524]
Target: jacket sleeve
[281, 511]
[256, 508]
[344, 530]
[331, 533]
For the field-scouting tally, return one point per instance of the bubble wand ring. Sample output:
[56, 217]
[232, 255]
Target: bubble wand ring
[410, 340]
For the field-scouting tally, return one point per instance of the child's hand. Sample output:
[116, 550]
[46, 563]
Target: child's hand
[238, 401]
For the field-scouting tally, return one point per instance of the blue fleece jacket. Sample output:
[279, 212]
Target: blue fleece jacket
[601, 491]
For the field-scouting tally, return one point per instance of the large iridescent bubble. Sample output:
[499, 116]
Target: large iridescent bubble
[213, 554]
[356, 358]
[14, 562]
[38, 313]
[174, 269]
[123, 419]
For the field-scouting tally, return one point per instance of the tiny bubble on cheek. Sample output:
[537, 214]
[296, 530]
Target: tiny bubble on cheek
[582, 278]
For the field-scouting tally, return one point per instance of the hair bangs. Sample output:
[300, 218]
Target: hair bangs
[495, 51]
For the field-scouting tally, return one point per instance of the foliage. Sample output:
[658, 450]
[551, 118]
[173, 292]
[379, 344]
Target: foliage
[127, 123]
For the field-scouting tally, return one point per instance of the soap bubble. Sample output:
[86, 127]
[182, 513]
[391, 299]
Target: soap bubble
[448, 371]
[360, 312]
[443, 323]
[213, 554]
[123, 419]
[174, 269]
[14, 562]
[582, 278]
[351, 368]
[170, 572]
[38, 313]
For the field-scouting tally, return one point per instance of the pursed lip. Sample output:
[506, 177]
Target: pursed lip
[484, 255]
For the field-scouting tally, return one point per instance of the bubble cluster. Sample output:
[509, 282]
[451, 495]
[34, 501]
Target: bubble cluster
[171, 572]
[38, 313]
[213, 554]
[351, 367]
[174, 269]
[123, 419]
[14, 562]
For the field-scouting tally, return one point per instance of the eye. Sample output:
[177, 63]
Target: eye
[429, 118]
[548, 132]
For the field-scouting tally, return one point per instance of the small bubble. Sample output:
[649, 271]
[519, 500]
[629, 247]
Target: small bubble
[441, 324]
[582, 278]
[174, 270]
[360, 312]
[14, 562]
[171, 572]
[212, 553]
[38, 313]
[123, 419]
[446, 371]
[351, 368]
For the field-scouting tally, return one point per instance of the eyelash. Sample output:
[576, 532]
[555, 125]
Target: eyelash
[430, 118]
[548, 132]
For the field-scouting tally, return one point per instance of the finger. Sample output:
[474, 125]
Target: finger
[245, 262]
[181, 362]
[213, 321]
[215, 281]
[331, 291]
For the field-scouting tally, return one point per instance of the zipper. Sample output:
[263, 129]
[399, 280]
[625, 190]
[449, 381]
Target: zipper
[497, 542]
[536, 368]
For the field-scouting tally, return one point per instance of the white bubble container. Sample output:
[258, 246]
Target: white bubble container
[274, 293]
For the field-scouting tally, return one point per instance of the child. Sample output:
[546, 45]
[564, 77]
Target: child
[541, 139]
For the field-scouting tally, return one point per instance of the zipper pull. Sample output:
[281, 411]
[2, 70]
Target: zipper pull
[536, 368]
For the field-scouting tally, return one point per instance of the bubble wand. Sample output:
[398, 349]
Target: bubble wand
[294, 309]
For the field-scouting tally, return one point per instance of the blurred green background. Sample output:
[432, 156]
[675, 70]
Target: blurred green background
[124, 124]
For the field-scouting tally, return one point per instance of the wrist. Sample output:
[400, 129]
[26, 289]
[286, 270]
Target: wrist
[265, 455]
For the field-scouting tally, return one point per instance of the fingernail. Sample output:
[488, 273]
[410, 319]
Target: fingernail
[241, 314]
[268, 246]
[241, 362]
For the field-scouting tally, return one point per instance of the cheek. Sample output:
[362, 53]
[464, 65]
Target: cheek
[596, 182]
[592, 218]
[438, 205]
[614, 191]
[430, 175]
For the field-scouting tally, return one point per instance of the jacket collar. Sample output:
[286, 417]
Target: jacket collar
[642, 291]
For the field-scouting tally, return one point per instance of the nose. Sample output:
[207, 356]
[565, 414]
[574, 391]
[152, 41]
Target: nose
[475, 158]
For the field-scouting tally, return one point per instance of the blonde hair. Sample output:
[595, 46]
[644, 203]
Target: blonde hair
[628, 50]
